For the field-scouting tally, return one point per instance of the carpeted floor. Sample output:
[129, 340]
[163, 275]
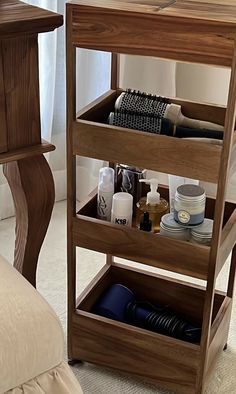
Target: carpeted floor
[52, 285]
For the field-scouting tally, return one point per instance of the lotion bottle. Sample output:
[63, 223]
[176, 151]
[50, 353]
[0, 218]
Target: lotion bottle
[122, 209]
[105, 193]
[153, 204]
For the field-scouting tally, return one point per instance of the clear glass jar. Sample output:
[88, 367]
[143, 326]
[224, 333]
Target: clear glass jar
[189, 205]
[170, 228]
[202, 234]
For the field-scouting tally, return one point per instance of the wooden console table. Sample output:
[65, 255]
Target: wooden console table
[21, 147]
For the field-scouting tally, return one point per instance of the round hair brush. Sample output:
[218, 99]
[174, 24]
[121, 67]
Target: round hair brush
[141, 122]
[159, 126]
[139, 103]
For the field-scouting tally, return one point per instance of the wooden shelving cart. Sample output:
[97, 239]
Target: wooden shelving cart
[191, 31]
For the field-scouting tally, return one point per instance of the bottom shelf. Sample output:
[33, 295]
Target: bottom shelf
[153, 357]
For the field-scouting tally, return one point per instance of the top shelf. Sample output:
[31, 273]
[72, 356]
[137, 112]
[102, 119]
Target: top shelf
[184, 30]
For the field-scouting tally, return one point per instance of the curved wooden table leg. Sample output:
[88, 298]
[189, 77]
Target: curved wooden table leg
[32, 187]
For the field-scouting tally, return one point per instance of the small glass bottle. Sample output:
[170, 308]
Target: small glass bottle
[146, 223]
[153, 204]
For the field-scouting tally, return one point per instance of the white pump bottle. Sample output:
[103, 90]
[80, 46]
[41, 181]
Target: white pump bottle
[105, 193]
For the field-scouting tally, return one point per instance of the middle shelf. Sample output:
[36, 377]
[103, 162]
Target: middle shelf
[152, 249]
[92, 137]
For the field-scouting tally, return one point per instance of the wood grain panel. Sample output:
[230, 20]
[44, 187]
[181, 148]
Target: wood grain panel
[95, 289]
[232, 273]
[100, 108]
[18, 18]
[153, 31]
[159, 153]
[201, 111]
[228, 240]
[123, 344]
[3, 123]
[233, 159]
[160, 359]
[32, 188]
[115, 71]
[134, 6]
[219, 317]
[22, 91]
[213, 10]
[219, 340]
[218, 219]
[24, 153]
[132, 244]
[71, 177]
[223, 12]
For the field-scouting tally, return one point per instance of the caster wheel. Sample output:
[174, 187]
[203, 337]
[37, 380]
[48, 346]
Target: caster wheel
[72, 362]
[225, 347]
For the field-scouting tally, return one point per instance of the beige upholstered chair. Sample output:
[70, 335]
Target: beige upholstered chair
[31, 341]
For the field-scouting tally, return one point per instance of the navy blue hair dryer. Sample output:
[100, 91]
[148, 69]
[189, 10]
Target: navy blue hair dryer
[119, 303]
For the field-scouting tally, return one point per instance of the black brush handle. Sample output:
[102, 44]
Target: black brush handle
[185, 132]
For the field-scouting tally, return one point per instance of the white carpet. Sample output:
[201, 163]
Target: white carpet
[52, 284]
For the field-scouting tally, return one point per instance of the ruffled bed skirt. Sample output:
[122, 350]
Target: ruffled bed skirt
[59, 380]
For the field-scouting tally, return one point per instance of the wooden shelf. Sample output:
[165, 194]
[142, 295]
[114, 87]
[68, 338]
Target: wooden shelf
[105, 341]
[29, 151]
[151, 249]
[171, 155]
[132, 244]
[157, 29]
[146, 150]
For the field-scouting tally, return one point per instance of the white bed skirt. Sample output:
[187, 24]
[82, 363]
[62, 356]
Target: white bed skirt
[59, 380]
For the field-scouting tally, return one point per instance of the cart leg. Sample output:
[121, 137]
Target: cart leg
[73, 361]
